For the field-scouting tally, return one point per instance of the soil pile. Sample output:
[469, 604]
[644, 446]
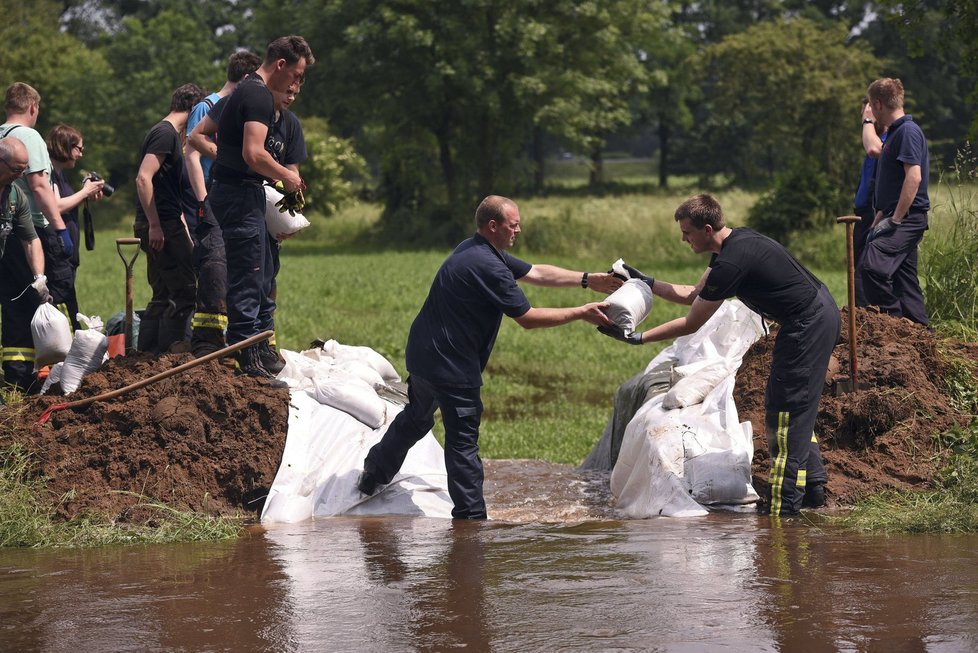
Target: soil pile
[881, 436]
[207, 439]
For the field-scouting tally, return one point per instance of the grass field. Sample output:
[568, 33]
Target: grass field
[548, 392]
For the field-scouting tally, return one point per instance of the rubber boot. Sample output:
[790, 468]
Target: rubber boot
[249, 362]
[149, 335]
[270, 359]
[206, 340]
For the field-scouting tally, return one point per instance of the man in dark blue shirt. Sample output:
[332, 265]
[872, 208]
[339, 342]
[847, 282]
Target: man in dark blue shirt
[889, 263]
[766, 277]
[450, 342]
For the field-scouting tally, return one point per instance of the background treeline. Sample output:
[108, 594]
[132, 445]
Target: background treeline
[427, 106]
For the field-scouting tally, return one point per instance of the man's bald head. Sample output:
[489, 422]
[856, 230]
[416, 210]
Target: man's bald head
[14, 156]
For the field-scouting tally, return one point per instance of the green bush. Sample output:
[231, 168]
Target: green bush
[333, 168]
[803, 199]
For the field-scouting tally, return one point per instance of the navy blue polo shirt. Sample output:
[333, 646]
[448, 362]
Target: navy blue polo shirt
[762, 274]
[905, 143]
[453, 334]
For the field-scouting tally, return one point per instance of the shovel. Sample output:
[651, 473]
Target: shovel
[843, 386]
[128, 262]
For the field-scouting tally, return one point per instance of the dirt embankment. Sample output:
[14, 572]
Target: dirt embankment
[881, 436]
[210, 440]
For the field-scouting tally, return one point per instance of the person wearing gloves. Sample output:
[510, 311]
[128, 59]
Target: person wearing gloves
[22, 281]
[23, 105]
[450, 342]
[762, 274]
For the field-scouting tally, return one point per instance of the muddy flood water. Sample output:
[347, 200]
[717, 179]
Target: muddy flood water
[554, 571]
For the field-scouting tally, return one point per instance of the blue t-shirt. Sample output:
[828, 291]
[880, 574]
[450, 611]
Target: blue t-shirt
[196, 115]
[867, 180]
[453, 334]
[904, 144]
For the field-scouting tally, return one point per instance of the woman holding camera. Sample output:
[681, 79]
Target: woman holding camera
[66, 146]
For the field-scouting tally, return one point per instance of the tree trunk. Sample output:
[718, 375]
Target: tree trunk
[448, 168]
[538, 160]
[664, 133]
[596, 176]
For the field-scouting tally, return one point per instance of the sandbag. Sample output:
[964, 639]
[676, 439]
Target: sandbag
[280, 223]
[51, 332]
[630, 304]
[693, 385]
[54, 376]
[87, 354]
[350, 394]
[342, 353]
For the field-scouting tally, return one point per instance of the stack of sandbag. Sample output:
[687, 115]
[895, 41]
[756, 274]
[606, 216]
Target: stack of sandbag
[87, 353]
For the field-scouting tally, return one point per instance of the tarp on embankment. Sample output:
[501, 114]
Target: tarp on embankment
[342, 401]
[674, 440]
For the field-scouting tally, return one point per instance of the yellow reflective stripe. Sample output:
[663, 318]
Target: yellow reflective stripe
[63, 309]
[18, 354]
[271, 341]
[814, 439]
[802, 478]
[777, 469]
[209, 321]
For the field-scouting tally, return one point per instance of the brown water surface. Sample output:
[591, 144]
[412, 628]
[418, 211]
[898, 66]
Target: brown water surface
[553, 572]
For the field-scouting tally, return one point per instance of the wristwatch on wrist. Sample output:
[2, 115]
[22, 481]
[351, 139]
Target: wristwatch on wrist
[584, 280]
[869, 121]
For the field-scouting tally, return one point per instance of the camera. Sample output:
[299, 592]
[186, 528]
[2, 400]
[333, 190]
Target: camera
[107, 189]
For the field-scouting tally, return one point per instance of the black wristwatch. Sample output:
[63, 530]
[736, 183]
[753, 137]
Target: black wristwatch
[869, 121]
[584, 280]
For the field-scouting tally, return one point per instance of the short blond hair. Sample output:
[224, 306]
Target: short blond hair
[887, 90]
[20, 97]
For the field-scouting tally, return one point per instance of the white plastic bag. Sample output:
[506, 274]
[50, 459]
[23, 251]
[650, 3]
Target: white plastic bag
[88, 352]
[630, 304]
[342, 353]
[51, 332]
[281, 223]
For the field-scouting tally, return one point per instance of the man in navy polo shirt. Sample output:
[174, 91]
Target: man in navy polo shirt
[450, 342]
[889, 263]
[764, 275]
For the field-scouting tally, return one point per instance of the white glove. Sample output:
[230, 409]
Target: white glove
[40, 284]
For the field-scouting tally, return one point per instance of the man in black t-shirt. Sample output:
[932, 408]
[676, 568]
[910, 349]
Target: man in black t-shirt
[767, 278]
[450, 342]
[161, 228]
[237, 197]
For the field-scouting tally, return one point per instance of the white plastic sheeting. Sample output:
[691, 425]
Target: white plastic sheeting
[673, 462]
[326, 445]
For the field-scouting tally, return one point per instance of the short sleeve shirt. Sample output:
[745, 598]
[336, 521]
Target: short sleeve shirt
[285, 141]
[197, 114]
[15, 222]
[760, 272]
[905, 144]
[250, 102]
[38, 160]
[163, 141]
[454, 333]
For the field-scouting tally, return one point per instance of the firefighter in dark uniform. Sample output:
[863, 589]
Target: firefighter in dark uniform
[450, 342]
[21, 266]
[767, 278]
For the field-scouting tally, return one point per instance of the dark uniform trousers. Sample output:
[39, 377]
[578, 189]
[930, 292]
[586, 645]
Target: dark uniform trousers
[211, 312]
[860, 231]
[266, 317]
[15, 317]
[60, 273]
[240, 211]
[889, 270]
[461, 413]
[170, 272]
[800, 360]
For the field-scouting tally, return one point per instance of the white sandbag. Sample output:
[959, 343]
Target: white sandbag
[350, 394]
[629, 305]
[343, 353]
[280, 223]
[51, 332]
[88, 352]
[54, 376]
[363, 371]
[693, 385]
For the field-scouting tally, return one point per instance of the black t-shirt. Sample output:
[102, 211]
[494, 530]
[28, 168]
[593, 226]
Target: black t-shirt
[761, 273]
[250, 102]
[163, 141]
[453, 334]
[285, 141]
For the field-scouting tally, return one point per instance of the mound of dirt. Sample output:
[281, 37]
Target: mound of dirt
[881, 436]
[207, 439]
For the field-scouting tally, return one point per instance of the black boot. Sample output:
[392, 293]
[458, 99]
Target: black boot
[249, 362]
[269, 357]
[149, 335]
[172, 332]
[206, 340]
[814, 496]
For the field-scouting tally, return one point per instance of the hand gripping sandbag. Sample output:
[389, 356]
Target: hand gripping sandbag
[629, 305]
[87, 354]
[279, 223]
[51, 333]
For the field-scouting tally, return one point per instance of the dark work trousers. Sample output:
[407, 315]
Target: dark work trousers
[860, 230]
[170, 272]
[211, 311]
[889, 267]
[240, 210]
[266, 317]
[800, 359]
[60, 274]
[461, 413]
[15, 318]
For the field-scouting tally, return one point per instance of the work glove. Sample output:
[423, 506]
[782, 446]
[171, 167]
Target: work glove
[883, 227]
[635, 274]
[616, 332]
[66, 242]
[291, 202]
[40, 284]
